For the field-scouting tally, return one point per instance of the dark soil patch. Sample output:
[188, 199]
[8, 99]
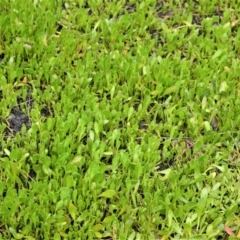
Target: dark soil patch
[16, 120]
[19, 115]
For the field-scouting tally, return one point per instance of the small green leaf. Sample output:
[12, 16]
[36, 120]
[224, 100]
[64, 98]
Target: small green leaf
[57, 236]
[217, 54]
[223, 87]
[108, 194]
[130, 112]
[156, 92]
[169, 90]
[108, 153]
[7, 152]
[91, 135]
[108, 219]
[24, 157]
[216, 187]
[204, 193]
[65, 193]
[59, 205]
[204, 102]
[72, 210]
[76, 160]
[97, 227]
[63, 234]
[198, 146]
[132, 236]
[164, 174]
[15, 234]
[207, 126]
[98, 235]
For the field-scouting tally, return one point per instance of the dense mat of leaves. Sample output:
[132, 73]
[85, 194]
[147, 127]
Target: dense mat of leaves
[119, 119]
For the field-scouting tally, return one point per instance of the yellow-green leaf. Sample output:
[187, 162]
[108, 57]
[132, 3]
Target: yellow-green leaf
[72, 210]
[169, 90]
[98, 235]
[97, 227]
[156, 92]
[223, 87]
[108, 194]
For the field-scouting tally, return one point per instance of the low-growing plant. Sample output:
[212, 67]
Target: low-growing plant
[119, 120]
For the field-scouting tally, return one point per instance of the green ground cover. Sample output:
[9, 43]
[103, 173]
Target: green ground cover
[134, 119]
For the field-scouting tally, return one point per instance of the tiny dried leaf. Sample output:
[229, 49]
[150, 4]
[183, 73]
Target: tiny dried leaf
[229, 231]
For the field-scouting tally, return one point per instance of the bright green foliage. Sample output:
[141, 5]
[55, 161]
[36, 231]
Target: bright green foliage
[141, 139]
